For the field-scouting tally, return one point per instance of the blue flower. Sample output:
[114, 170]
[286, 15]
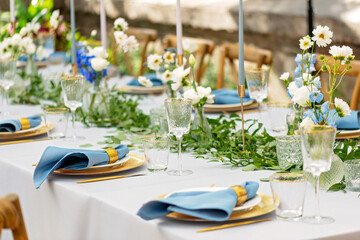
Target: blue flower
[316, 97]
[297, 70]
[317, 82]
[325, 107]
[310, 114]
[299, 82]
[288, 92]
[298, 58]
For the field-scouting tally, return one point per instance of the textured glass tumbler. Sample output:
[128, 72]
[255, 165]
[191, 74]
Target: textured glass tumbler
[288, 190]
[277, 112]
[288, 149]
[56, 120]
[156, 151]
[352, 175]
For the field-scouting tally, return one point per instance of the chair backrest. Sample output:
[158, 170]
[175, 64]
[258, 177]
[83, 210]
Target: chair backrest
[252, 54]
[144, 36]
[354, 72]
[11, 217]
[205, 48]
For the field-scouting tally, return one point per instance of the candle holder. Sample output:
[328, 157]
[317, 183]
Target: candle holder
[13, 25]
[241, 93]
[74, 68]
[180, 59]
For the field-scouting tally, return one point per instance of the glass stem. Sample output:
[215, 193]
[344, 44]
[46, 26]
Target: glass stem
[317, 199]
[6, 102]
[259, 110]
[73, 122]
[179, 154]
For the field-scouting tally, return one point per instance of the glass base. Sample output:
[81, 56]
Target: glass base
[74, 138]
[179, 173]
[318, 220]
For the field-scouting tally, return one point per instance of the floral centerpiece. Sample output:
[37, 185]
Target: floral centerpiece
[304, 87]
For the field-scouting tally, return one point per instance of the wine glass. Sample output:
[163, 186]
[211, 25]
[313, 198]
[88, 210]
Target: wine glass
[7, 80]
[178, 111]
[317, 146]
[73, 88]
[257, 82]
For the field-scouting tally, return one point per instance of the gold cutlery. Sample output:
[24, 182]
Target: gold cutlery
[110, 178]
[232, 225]
[24, 141]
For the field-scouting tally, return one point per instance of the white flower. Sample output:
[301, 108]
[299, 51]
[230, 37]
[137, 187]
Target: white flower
[166, 76]
[154, 61]
[342, 108]
[145, 82]
[32, 27]
[120, 37]
[16, 39]
[189, 45]
[130, 44]
[179, 74]
[169, 57]
[191, 94]
[305, 43]
[93, 33]
[175, 86]
[343, 53]
[322, 36]
[30, 49]
[292, 88]
[285, 76]
[23, 31]
[98, 52]
[54, 19]
[211, 99]
[206, 92]
[307, 122]
[301, 96]
[99, 64]
[120, 24]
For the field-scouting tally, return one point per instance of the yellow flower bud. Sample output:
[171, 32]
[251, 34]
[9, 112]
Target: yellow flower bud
[192, 60]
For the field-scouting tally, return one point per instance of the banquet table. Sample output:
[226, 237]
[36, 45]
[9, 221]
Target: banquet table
[64, 209]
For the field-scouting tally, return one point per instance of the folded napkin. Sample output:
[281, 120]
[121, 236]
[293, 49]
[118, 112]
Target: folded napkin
[215, 206]
[229, 96]
[15, 125]
[55, 158]
[151, 76]
[348, 122]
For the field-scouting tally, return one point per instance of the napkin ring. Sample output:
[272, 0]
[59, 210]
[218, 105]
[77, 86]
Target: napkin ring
[241, 194]
[25, 123]
[113, 155]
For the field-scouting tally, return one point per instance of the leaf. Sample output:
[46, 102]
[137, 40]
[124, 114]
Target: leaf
[115, 140]
[249, 168]
[337, 187]
[86, 145]
[264, 179]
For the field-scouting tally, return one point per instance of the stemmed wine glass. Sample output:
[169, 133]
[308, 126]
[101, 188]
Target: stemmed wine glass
[7, 80]
[178, 111]
[317, 146]
[73, 87]
[257, 82]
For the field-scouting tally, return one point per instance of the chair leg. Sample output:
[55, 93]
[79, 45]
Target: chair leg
[234, 72]
[220, 75]
[19, 233]
[144, 57]
[355, 95]
[1, 224]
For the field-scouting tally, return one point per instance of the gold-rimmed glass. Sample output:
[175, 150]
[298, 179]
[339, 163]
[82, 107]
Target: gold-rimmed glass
[317, 146]
[178, 112]
[73, 86]
[56, 121]
[257, 82]
[7, 80]
[156, 151]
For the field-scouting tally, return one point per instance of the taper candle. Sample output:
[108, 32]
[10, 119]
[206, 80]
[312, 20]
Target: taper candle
[73, 43]
[103, 24]
[241, 45]
[179, 29]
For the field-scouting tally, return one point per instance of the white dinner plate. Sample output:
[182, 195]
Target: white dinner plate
[141, 90]
[236, 105]
[349, 132]
[118, 163]
[246, 206]
[3, 134]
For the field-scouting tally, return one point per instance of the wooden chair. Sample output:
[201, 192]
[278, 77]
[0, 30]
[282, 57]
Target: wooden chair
[11, 217]
[144, 36]
[230, 51]
[205, 48]
[354, 72]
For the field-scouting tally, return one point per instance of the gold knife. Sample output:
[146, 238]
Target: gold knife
[24, 141]
[110, 178]
[232, 225]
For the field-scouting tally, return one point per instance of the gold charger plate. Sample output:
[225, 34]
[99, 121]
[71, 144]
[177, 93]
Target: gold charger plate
[348, 134]
[220, 108]
[134, 162]
[264, 207]
[141, 90]
[21, 135]
[22, 64]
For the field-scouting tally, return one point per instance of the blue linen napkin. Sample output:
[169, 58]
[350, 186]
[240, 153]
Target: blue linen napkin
[214, 206]
[55, 158]
[14, 125]
[229, 96]
[348, 122]
[151, 76]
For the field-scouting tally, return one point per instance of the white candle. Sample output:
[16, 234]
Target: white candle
[179, 29]
[73, 43]
[103, 24]
[12, 10]
[241, 46]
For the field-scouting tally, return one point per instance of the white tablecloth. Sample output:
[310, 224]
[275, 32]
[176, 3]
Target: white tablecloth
[63, 209]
